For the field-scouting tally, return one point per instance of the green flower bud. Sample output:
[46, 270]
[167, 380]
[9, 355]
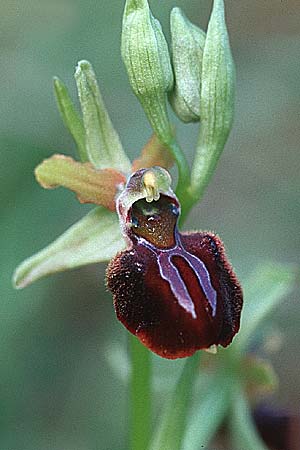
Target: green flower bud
[146, 57]
[216, 100]
[187, 52]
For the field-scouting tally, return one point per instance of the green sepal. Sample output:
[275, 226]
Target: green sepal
[188, 42]
[216, 100]
[94, 238]
[103, 144]
[71, 117]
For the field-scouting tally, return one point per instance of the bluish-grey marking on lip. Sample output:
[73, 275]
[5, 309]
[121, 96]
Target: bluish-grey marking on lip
[171, 274]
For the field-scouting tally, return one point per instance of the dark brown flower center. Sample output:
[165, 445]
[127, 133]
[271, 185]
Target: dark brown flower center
[155, 221]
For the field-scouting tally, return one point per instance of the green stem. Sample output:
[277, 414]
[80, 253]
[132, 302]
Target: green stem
[140, 395]
[243, 429]
[202, 426]
[171, 426]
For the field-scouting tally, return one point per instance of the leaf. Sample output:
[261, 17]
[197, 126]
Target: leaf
[103, 144]
[94, 238]
[242, 427]
[263, 291]
[70, 116]
[170, 430]
[154, 154]
[90, 185]
[202, 425]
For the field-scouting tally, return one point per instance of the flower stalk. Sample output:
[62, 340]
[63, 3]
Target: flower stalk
[171, 427]
[140, 395]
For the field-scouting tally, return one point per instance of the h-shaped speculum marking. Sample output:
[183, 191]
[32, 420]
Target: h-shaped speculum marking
[170, 273]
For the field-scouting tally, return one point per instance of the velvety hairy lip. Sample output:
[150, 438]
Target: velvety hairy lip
[175, 291]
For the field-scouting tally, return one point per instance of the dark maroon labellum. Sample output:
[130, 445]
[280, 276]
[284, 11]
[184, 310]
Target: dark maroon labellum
[175, 291]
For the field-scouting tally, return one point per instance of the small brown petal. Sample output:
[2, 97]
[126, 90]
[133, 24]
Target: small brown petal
[89, 184]
[153, 154]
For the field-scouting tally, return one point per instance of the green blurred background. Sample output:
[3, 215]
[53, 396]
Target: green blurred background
[58, 388]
